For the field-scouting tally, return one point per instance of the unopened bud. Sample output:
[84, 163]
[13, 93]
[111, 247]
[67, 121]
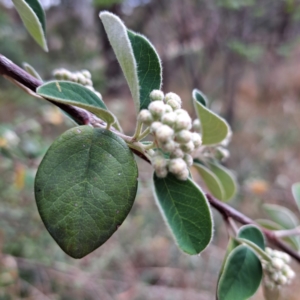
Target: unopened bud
[188, 147]
[188, 159]
[88, 82]
[183, 136]
[157, 95]
[282, 280]
[177, 166]
[197, 140]
[145, 116]
[159, 162]
[155, 126]
[161, 173]
[285, 257]
[173, 96]
[277, 263]
[177, 153]
[164, 133]
[169, 118]
[174, 104]
[184, 175]
[197, 125]
[183, 122]
[157, 109]
[168, 108]
[87, 74]
[168, 147]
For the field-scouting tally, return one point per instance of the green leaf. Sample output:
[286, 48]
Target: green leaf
[186, 211]
[227, 179]
[296, 193]
[149, 68]
[29, 69]
[200, 97]
[71, 93]
[211, 181]
[253, 234]
[137, 57]
[33, 17]
[281, 215]
[85, 187]
[242, 275]
[291, 240]
[214, 128]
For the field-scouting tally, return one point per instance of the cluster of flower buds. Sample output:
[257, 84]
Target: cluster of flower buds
[170, 126]
[82, 77]
[277, 272]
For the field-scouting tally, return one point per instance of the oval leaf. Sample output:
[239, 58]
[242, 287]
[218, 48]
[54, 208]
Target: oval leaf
[226, 178]
[186, 212]
[241, 276]
[253, 234]
[149, 69]
[85, 187]
[71, 93]
[211, 180]
[200, 97]
[33, 18]
[296, 193]
[214, 128]
[29, 69]
[281, 215]
[119, 40]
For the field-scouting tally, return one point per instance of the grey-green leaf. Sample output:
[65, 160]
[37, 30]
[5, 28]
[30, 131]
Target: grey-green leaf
[281, 215]
[33, 17]
[253, 234]
[71, 93]
[200, 97]
[211, 181]
[119, 40]
[226, 178]
[186, 212]
[214, 128]
[85, 187]
[296, 193]
[241, 276]
[29, 69]
[149, 68]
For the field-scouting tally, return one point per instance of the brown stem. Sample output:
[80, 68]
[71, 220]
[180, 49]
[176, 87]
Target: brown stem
[228, 212]
[83, 117]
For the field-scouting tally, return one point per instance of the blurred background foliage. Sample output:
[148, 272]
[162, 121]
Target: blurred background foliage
[244, 54]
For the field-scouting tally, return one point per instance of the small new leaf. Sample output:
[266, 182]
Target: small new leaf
[200, 97]
[29, 69]
[214, 128]
[33, 17]
[85, 187]
[253, 234]
[186, 212]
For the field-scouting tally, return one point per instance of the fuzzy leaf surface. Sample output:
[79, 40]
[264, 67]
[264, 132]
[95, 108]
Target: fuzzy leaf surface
[241, 276]
[148, 67]
[214, 128]
[85, 187]
[186, 212]
[211, 181]
[33, 18]
[118, 37]
[71, 93]
[296, 193]
[226, 178]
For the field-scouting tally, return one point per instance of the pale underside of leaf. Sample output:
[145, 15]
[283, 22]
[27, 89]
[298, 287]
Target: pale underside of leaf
[29, 69]
[119, 40]
[214, 128]
[31, 22]
[200, 97]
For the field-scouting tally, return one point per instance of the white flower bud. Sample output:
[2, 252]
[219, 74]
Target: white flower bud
[157, 109]
[285, 257]
[157, 95]
[174, 104]
[188, 159]
[169, 118]
[188, 147]
[197, 125]
[282, 280]
[145, 116]
[168, 108]
[159, 162]
[161, 173]
[88, 82]
[183, 136]
[277, 263]
[275, 276]
[184, 175]
[269, 251]
[277, 253]
[223, 154]
[98, 94]
[290, 274]
[173, 96]
[87, 74]
[155, 126]
[270, 285]
[177, 166]
[183, 122]
[81, 79]
[197, 140]
[164, 133]
[177, 153]
[181, 111]
[169, 146]
[73, 77]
